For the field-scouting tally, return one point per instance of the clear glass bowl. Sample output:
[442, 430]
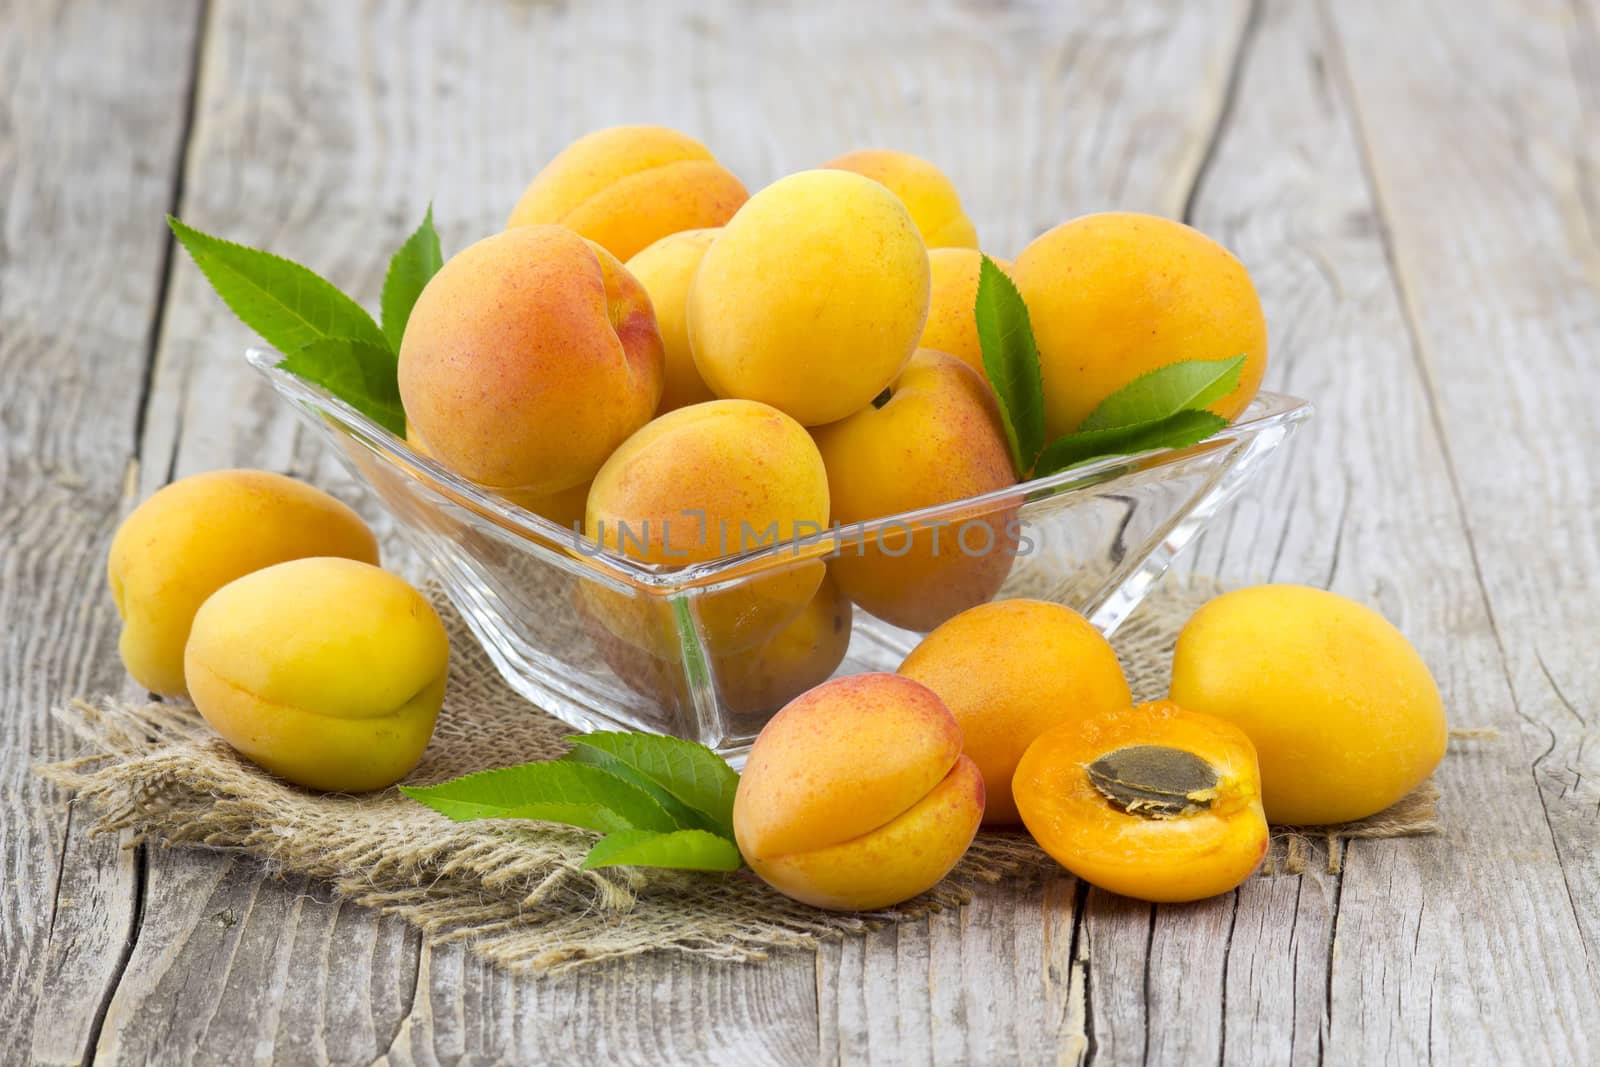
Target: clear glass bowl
[709, 651]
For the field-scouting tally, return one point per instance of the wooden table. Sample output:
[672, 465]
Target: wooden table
[1416, 189]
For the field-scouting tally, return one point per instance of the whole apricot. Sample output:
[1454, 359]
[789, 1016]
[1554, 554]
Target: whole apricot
[952, 326]
[1343, 712]
[324, 671]
[627, 187]
[192, 537]
[934, 438]
[928, 195]
[1154, 801]
[1116, 295]
[1009, 671]
[856, 795]
[665, 269]
[813, 297]
[701, 482]
[528, 358]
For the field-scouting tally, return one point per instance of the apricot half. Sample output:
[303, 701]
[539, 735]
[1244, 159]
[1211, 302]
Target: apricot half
[1154, 801]
[856, 795]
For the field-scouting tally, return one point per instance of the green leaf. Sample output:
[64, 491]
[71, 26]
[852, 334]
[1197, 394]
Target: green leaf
[1178, 430]
[1011, 360]
[1189, 385]
[686, 817]
[360, 373]
[552, 790]
[693, 850]
[692, 774]
[417, 260]
[288, 305]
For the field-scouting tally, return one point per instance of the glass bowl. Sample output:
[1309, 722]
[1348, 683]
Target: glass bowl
[709, 651]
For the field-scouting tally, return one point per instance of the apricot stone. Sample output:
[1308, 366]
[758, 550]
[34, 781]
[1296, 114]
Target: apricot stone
[934, 204]
[856, 795]
[529, 357]
[1116, 295]
[326, 672]
[951, 326]
[196, 535]
[665, 269]
[627, 187]
[936, 439]
[1011, 670]
[813, 297]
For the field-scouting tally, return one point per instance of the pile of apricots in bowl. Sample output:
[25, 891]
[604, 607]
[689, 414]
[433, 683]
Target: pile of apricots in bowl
[644, 341]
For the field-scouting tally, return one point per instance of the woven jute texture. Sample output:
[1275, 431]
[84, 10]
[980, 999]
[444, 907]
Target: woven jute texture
[514, 891]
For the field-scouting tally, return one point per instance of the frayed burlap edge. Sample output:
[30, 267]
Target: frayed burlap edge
[515, 892]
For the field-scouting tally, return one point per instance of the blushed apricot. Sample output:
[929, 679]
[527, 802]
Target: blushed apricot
[856, 795]
[626, 187]
[928, 195]
[1009, 671]
[192, 537]
[1153, 801]
[1343, 712]
[326, 672]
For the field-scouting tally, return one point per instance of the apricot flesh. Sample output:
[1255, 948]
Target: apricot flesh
[1343, 712]
[196, 535]
[1009, 671]
[1083, 790]
[327, 672]
[626, 187]
[1115, 295]
[812, 298]
[928, 195]
[856, 795]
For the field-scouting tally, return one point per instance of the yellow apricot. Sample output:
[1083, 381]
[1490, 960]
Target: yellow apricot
[937, 438]
[951, 326]
[528, 358]
[324, 671]
[813, 297]
[1343, 712]
[196, 535]
[626, 187]
[928, 195]
[1116, 295]
[665, 269]
[1009, 671]
[856, 795]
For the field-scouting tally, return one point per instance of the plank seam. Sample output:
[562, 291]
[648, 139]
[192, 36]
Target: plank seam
[1230, 96]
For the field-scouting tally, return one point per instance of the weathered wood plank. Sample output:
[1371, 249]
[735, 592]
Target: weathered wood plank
[92, 99]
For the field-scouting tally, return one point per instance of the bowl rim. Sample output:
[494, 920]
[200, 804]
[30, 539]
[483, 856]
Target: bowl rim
[1266, 411]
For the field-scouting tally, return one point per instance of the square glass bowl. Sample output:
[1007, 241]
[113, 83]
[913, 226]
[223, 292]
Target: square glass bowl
[709, 651]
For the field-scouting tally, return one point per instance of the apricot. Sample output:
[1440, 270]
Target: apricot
[1153, 801]
[952, 326]
[627, 187]
[192, 537]
[928, 195]
[665, 269]
[701, 482]
[935, 438]
[1116, 295]
[528, 358]
[326, 672]
[1009, 671]
[813, 297]
[1343, 712]
[856, 795]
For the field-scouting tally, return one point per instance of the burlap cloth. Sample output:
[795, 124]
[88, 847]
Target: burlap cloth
[514, 890]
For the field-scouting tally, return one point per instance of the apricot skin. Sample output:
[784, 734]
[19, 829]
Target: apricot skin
[951, 326]
[813, 297]
[1116, 295]
[1009, 671]
[528, 358]
[326, 672]
[1343, 712]
[928, 195]
[627, 187]
[665, 269]
[936, 440]
[856, 795]
[196, 535]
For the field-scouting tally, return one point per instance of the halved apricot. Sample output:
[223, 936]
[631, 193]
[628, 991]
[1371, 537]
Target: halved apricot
[1152, 801]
